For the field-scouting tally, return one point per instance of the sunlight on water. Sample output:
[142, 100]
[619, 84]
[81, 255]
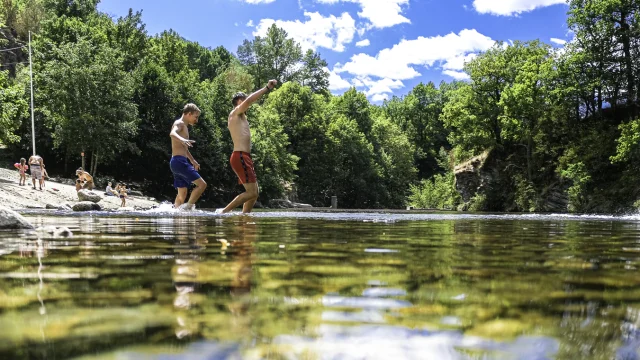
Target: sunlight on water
[165, 284]
[167, 210]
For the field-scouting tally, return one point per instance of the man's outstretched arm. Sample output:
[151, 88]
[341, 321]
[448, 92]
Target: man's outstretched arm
[254, 97]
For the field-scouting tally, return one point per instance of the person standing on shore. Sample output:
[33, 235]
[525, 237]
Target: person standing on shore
[240, 160]
[183, 166]
[36, 163]
[22, 169]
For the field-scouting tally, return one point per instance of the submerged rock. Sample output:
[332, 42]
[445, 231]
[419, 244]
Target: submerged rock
[52, 231]
[287, 204]
[10, 219]
[86, 206]
[86, 195]
[63, 207]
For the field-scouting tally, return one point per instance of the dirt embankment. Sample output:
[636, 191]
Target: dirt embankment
[19, 197]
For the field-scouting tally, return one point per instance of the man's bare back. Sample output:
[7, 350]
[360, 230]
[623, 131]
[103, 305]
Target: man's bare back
[240, 132]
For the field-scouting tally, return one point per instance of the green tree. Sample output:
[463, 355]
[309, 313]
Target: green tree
[418, 115]
[607, 31]
[89, 97]
[303, 116]
[274, 56]
[13, 108]
[314, 72]
[274, 164]
[131, 38]
[394, 155]
[352, 173]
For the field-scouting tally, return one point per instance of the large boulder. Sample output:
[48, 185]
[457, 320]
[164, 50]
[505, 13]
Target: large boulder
[555, 198]
[86, 195]
[63, 207]
[86, 206]
[10, 219]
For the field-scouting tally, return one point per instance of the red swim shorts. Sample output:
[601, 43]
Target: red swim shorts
[242, 165]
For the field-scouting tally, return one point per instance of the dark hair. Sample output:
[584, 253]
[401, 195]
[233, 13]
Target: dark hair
[238, 96]
[22, 160]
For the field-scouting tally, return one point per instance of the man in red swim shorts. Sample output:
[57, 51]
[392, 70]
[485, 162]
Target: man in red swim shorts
[241, 158]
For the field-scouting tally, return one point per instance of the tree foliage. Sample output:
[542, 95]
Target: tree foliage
[557, 120]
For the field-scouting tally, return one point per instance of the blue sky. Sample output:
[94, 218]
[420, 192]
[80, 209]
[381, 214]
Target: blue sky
[383, 47]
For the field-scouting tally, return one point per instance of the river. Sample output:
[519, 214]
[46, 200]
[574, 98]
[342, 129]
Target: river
[283, 285]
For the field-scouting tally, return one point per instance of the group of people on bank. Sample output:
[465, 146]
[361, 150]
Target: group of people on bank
[183, 166]
[35, 166]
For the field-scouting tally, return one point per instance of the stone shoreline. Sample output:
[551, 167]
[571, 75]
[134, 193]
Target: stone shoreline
[16, 197]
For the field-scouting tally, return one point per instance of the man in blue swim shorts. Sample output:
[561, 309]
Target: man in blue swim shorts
[183, 166]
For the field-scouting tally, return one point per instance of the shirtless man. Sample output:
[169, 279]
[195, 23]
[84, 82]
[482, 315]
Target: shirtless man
[185, 173]
[36, 163]
[85, 178]
[241, 158]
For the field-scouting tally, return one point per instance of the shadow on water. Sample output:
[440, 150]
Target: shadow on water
[165, 285]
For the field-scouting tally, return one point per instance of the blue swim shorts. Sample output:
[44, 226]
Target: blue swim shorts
[183, 172]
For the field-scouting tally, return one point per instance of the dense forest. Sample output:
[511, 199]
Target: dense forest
[541, 128]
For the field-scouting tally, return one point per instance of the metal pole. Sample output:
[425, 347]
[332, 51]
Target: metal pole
[33, 126]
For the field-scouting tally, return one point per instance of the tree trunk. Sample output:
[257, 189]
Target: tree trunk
[94, 162]
[626, 45]
[88, 168]
[66, 162]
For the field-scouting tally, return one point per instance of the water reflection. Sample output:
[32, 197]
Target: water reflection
[256, 287]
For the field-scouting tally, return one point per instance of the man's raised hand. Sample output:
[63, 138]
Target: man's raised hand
[272, 84]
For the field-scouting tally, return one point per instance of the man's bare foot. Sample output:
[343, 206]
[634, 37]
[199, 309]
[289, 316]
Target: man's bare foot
[187, 207]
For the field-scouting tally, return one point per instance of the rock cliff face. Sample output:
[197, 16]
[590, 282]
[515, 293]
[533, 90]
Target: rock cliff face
[487, 183]
[555, 198]
[8, 40]
[474, 177]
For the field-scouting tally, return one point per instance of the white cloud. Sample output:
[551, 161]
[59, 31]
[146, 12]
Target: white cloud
[558, 41]
[371, 88]
[363, 43]
[258, 1]
[381, 13]
[398, 62]
[458, 75]
[250, 23]
[379, 97]
[336, 83]
[511, 7]
[457, 62]
[382, 86]
[327, 32]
